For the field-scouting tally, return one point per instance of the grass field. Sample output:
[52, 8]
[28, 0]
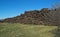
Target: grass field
[19, 30]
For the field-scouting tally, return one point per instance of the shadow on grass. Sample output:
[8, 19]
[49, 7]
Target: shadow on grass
[56, 32]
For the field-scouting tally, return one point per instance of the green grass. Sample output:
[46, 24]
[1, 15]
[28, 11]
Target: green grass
[19, 30]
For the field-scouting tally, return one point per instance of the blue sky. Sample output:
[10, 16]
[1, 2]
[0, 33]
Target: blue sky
[11, 8]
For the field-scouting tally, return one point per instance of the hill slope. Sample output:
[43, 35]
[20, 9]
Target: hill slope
[37, 17]
[32, 17]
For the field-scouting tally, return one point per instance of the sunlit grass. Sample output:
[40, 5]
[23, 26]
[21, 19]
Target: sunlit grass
[19, 30]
